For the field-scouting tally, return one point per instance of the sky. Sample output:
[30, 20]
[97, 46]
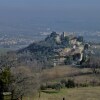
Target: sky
[47, 11]
[41, 7]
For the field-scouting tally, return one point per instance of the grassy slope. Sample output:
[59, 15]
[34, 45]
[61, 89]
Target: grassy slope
[64, 72]
[87, 93]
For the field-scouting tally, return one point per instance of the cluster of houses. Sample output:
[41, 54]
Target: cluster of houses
[72, 51]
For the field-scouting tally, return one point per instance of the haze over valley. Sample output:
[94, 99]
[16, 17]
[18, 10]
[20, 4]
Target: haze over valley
[31, 20]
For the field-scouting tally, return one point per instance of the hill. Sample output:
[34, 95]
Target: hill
[58, 49]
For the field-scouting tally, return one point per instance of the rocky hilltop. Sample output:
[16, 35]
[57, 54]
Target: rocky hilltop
[58, 49]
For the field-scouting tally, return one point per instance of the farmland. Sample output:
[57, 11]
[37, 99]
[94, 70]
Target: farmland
[86, 93]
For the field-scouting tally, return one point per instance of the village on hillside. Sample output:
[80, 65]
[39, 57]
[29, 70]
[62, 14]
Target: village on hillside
[59, 49]
[72, 49]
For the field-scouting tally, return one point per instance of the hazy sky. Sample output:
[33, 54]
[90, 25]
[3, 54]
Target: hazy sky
[49, 10]
[41, 7]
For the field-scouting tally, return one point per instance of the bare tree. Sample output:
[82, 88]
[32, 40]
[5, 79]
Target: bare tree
[94, 63]
[25, 81]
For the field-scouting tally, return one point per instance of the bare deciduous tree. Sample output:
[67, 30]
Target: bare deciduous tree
[25, 81]
[94, 63]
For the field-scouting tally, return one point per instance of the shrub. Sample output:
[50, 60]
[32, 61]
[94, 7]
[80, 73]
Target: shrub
[70, 83]
[83, 85]
[42, 87]
[63, 81]
[57, 86]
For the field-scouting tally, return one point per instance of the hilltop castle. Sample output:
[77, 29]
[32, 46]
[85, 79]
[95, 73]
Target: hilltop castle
[71, 48]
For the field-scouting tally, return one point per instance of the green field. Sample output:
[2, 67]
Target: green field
[85, 93]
